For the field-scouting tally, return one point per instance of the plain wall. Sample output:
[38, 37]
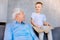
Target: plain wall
[3, 10]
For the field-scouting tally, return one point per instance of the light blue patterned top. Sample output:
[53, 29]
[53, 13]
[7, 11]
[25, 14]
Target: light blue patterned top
[19, 31]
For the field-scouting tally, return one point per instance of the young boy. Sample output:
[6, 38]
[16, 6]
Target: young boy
[38, 20]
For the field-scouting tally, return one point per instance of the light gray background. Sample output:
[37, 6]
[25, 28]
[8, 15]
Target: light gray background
[3, 10]
[51, 9]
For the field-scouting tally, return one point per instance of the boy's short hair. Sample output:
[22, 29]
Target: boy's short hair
[39, 3]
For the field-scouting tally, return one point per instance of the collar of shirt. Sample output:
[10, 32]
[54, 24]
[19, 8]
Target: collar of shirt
[19, 22]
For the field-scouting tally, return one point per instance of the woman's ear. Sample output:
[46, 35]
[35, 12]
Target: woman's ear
[16, 17]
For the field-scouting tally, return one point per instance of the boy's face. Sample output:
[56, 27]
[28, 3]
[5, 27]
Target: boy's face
[38, 8]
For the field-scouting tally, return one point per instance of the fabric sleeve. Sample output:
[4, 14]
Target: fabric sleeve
[33, 16]
[44, 18]
[32, 33]
[8, 33]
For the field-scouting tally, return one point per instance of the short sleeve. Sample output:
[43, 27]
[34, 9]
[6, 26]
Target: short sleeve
[44, 18]
[33, 16]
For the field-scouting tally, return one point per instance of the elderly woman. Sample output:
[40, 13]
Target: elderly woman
[18, 30]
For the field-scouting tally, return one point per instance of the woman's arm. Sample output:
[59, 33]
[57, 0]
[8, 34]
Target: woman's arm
[8, 32]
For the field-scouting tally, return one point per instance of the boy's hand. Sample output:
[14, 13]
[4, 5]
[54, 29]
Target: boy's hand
[48, 29]
[40, 29]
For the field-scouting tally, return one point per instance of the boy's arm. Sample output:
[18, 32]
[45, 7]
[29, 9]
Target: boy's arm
[44, 21]
[46, 24]
[49, 27]
[36, 27]
[32, 22]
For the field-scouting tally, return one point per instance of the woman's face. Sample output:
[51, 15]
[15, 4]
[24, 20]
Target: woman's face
[20, 16]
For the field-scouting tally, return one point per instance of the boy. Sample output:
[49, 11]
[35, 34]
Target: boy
[39, 23]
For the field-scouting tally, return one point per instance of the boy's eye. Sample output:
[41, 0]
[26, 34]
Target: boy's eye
[35, 7]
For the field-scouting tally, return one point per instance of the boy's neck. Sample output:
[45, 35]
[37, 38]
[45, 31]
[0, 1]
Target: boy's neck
[38, 12]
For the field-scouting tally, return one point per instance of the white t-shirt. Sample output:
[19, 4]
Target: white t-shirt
[38, 18]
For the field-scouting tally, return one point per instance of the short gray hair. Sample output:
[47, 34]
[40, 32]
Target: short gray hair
[15, 11]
